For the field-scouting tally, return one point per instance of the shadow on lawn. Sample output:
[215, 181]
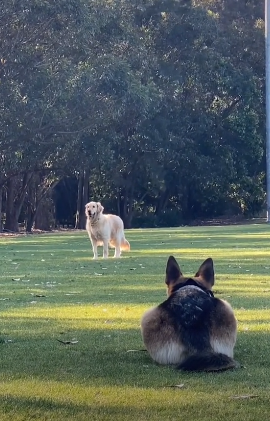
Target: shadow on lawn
[247, 296]
[109, 357]
[44, 409]
[100, 408]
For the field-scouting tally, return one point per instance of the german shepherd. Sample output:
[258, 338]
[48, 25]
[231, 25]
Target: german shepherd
[191, 329]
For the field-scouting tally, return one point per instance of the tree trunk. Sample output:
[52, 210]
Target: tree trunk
[30, 218]
[85, 197]
[125, 199]
[11, 223]
[162, 202]
[30, 206]
[79, 201]
[1, 202]
[40, 195]
[15, 202]
[44, 214]
[82, 199]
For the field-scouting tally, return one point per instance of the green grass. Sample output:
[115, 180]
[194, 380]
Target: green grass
[52, 290]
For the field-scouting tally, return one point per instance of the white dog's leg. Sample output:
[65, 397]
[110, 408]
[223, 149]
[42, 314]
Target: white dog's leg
[105, 249]
[94, 247]
[117, 251]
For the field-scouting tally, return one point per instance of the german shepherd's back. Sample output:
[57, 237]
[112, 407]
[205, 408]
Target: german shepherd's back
[191, 329]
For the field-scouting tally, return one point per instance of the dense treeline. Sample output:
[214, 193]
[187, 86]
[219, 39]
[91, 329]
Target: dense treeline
[154, 107]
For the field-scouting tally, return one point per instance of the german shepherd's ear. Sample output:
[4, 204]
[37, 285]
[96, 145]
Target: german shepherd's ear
[206, 271]
[173, 271]
[100, 208]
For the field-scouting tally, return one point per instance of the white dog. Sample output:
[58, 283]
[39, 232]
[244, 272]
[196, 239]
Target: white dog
[105, 229]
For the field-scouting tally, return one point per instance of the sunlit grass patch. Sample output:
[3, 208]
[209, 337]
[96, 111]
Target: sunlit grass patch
[70, 338]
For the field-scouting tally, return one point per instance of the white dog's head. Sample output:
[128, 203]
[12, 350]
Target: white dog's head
[93, 209]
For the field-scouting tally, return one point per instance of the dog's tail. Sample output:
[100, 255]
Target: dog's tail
[125, 245]
[208, 362]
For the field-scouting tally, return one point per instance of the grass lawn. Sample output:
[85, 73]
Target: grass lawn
[52, 291]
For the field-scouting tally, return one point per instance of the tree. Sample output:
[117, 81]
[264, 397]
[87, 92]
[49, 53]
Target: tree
[156, 108]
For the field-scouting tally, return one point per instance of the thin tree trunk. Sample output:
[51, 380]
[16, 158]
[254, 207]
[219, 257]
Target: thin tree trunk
[125, 206]
[82, 199]
[30, 206]
[11, 223]
[162, 202]
[79, 201]
[85, 197]
[1, 203]
[30, 220]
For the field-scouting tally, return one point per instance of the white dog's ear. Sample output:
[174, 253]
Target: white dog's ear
[100, 208]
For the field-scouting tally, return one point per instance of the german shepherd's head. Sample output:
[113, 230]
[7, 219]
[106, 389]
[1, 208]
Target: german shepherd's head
[191, 328]
[204, 277]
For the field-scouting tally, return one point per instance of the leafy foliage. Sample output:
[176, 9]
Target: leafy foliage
[160, 103]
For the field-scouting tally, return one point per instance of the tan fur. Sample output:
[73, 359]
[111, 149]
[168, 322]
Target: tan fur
[160, 339]
[106, 230]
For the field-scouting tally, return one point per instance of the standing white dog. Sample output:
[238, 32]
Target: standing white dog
[106, 230]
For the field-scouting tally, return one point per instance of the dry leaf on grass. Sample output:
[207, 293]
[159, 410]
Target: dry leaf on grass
[178, 386]
[244, 396]
[136, 350]
[67, 342]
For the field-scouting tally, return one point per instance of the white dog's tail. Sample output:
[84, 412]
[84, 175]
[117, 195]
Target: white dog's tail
[125, 245]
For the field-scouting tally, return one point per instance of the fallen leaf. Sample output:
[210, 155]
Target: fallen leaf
[67, 342]
[179, 386]
[245, 396]
[136, 350]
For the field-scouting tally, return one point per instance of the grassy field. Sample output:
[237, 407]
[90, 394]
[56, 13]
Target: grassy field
[53, 293]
